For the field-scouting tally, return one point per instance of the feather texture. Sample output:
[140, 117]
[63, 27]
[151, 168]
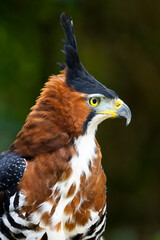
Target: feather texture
[77, 76]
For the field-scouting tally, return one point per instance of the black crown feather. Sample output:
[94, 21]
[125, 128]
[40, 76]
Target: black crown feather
[70, 45]
[77, 75]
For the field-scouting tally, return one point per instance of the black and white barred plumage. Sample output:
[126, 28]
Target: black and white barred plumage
[12, 167]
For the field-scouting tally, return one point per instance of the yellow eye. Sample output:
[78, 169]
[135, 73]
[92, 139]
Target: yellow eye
[94, 101]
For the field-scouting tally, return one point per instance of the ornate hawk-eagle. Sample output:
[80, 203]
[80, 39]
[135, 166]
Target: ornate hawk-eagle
[52, 185]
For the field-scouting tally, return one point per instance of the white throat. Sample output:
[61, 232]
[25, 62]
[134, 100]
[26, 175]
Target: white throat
[85, 148]
[85, 154]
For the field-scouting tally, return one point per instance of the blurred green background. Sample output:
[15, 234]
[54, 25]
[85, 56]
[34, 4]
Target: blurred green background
[119, 44]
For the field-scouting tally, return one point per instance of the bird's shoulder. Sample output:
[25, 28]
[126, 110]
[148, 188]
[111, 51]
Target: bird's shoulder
[12, 167]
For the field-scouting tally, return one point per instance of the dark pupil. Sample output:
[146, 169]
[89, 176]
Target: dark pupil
[94, 101]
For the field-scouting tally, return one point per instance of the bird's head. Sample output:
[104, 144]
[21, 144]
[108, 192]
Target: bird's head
[71, 104]
[99, 102]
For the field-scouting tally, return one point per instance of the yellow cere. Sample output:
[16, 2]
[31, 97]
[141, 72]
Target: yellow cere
[118, 104]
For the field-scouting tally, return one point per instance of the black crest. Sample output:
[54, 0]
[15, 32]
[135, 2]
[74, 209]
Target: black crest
[77, 75]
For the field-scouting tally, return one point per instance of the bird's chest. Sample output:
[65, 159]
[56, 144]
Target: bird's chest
[73, 211]
[74, 207]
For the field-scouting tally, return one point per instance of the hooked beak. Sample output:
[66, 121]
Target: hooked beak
[123, 112]
[120, 109]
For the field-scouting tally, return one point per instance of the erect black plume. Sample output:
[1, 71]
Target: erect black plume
[69, 32]
[70, 45]
[77, 76]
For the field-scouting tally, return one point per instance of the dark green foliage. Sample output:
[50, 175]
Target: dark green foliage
[119, 44]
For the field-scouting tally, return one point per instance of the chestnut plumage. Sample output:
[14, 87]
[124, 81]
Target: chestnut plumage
[52, 185]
